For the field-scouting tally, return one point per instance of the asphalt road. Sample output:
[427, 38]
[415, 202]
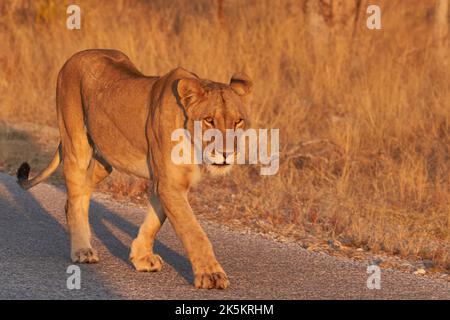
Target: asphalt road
[34, 257]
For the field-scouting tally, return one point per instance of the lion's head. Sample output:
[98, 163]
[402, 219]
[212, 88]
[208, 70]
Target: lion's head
[216, 106]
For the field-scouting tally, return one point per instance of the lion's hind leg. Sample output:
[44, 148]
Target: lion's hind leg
[82, 171]
[80, 183]
[79, 190]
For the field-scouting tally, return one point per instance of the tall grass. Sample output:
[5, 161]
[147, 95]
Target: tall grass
[364, 119]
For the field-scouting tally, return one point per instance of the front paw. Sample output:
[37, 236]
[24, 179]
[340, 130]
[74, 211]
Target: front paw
[143, 259]
[147, 263]
[84, 255]
[214, 280]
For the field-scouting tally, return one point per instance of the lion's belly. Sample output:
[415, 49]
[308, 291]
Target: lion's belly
[123, 157]
[117, 128]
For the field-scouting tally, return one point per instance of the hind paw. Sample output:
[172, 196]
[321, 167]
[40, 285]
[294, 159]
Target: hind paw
[85, 255]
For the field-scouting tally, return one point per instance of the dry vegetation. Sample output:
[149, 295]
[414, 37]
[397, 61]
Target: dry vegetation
[364, 121]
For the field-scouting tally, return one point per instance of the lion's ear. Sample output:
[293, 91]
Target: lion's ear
[241, 84]
[189, 90]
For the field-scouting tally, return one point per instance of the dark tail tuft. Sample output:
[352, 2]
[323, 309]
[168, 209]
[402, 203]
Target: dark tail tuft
[23, 173]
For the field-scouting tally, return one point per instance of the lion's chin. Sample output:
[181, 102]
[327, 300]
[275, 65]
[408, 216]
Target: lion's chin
[219, 169]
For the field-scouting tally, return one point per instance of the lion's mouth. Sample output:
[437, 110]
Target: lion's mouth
[220, 165]
[219, 168]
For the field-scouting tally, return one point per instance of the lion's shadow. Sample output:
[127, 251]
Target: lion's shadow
[99, 214]
[33, 220]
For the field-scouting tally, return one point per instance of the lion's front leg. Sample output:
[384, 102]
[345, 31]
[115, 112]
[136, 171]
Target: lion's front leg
[207, 270]
[141, 255]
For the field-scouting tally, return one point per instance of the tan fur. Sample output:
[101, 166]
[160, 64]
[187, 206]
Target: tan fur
[112, 116]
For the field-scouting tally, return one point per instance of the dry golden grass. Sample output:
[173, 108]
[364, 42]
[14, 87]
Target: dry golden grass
[364, 121]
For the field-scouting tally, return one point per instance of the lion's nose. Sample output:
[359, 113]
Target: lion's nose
[226, 154]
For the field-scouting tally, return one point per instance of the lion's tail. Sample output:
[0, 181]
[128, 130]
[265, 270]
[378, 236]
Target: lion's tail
[24, 171]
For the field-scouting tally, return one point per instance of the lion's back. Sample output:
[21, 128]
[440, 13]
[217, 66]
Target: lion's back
[91, 56]
[99, 64]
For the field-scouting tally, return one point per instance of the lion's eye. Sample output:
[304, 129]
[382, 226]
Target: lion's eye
[209, 120]
[239, 122]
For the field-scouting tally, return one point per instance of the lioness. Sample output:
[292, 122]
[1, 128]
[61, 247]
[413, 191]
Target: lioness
[112, 116]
